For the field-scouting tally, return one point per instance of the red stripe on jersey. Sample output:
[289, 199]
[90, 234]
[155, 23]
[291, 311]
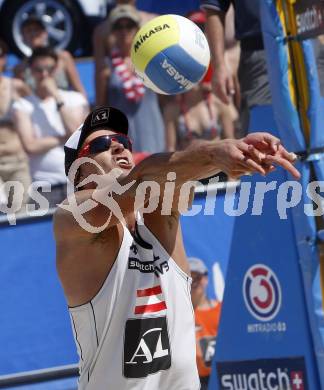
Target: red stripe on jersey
[149, 291]
[150, 308]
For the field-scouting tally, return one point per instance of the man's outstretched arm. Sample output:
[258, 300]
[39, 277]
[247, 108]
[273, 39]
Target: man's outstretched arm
[256, 154]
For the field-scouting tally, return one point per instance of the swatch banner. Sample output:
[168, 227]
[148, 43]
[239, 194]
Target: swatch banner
[309, 18]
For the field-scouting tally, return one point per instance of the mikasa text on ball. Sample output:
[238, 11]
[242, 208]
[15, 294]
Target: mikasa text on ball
[170, 54]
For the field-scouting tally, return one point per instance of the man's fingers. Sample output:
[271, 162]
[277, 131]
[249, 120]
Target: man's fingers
[283, 163]
[263, 141]
[273, 141]
[230, 88]
[269, 168]
[247, 164]
[292, 157]
[221, 93]
[255, 154]
[253, 166]
[250, 151]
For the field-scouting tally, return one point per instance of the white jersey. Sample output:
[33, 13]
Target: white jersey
[138, 331]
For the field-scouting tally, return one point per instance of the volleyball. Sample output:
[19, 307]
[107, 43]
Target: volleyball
[170, 54]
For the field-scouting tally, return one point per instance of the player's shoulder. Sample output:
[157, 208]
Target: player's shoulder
[65, 224]
[62, 221]
[70, 224]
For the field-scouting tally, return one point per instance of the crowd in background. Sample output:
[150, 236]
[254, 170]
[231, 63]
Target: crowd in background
[45, 100]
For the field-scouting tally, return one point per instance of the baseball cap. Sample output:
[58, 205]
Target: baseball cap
[104, 117]
[124, 11]
[197, 265]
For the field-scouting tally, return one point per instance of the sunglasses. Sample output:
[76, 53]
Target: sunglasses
[41, 69]
[124, 26]
[103, 143]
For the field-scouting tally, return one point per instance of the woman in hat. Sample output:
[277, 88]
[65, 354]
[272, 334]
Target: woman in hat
[125, 90]
[35, 35]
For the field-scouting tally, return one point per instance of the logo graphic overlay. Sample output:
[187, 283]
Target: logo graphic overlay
[286, 373]
[262, 292]
[149, 300]
[107, 185]
[146, 347]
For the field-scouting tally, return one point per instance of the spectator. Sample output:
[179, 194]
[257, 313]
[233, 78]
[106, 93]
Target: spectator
[13, 160]
[198, 114]
[35, 35]
[45, 119]
[103, 40]
[195, 115]
[253, 76]
[207, 315]
[126, 91]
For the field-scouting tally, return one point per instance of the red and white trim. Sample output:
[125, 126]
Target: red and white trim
[150, 300]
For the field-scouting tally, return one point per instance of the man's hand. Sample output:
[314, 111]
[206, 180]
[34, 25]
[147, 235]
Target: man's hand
[49, 85]
[272, 152]
[224, 83]
[236, 158]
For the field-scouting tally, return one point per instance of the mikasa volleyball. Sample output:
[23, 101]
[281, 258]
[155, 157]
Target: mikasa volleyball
[170, 54]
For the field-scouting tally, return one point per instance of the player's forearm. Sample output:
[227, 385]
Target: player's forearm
[196, 162]
[215, 28]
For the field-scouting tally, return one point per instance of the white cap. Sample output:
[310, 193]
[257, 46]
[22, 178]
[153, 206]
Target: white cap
[197, 265]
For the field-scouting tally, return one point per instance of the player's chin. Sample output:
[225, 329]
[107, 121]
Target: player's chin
[125, 169]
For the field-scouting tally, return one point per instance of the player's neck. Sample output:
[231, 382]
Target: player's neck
[130, 221]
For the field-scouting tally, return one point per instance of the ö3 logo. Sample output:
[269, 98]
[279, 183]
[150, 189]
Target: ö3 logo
[262, 292]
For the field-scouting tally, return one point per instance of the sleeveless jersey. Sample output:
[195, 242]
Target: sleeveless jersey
[138, 331]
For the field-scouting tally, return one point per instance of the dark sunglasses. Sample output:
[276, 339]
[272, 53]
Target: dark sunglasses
[41, 69]
[124, 26]
[103, 143]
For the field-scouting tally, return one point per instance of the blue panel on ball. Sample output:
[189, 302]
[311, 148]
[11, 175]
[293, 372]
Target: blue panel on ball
[173, 70]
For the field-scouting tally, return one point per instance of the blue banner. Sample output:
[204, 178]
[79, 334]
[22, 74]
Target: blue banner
[267, 337]
[285, 272]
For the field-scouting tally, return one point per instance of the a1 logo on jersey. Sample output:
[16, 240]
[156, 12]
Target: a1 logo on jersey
[146, 347]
